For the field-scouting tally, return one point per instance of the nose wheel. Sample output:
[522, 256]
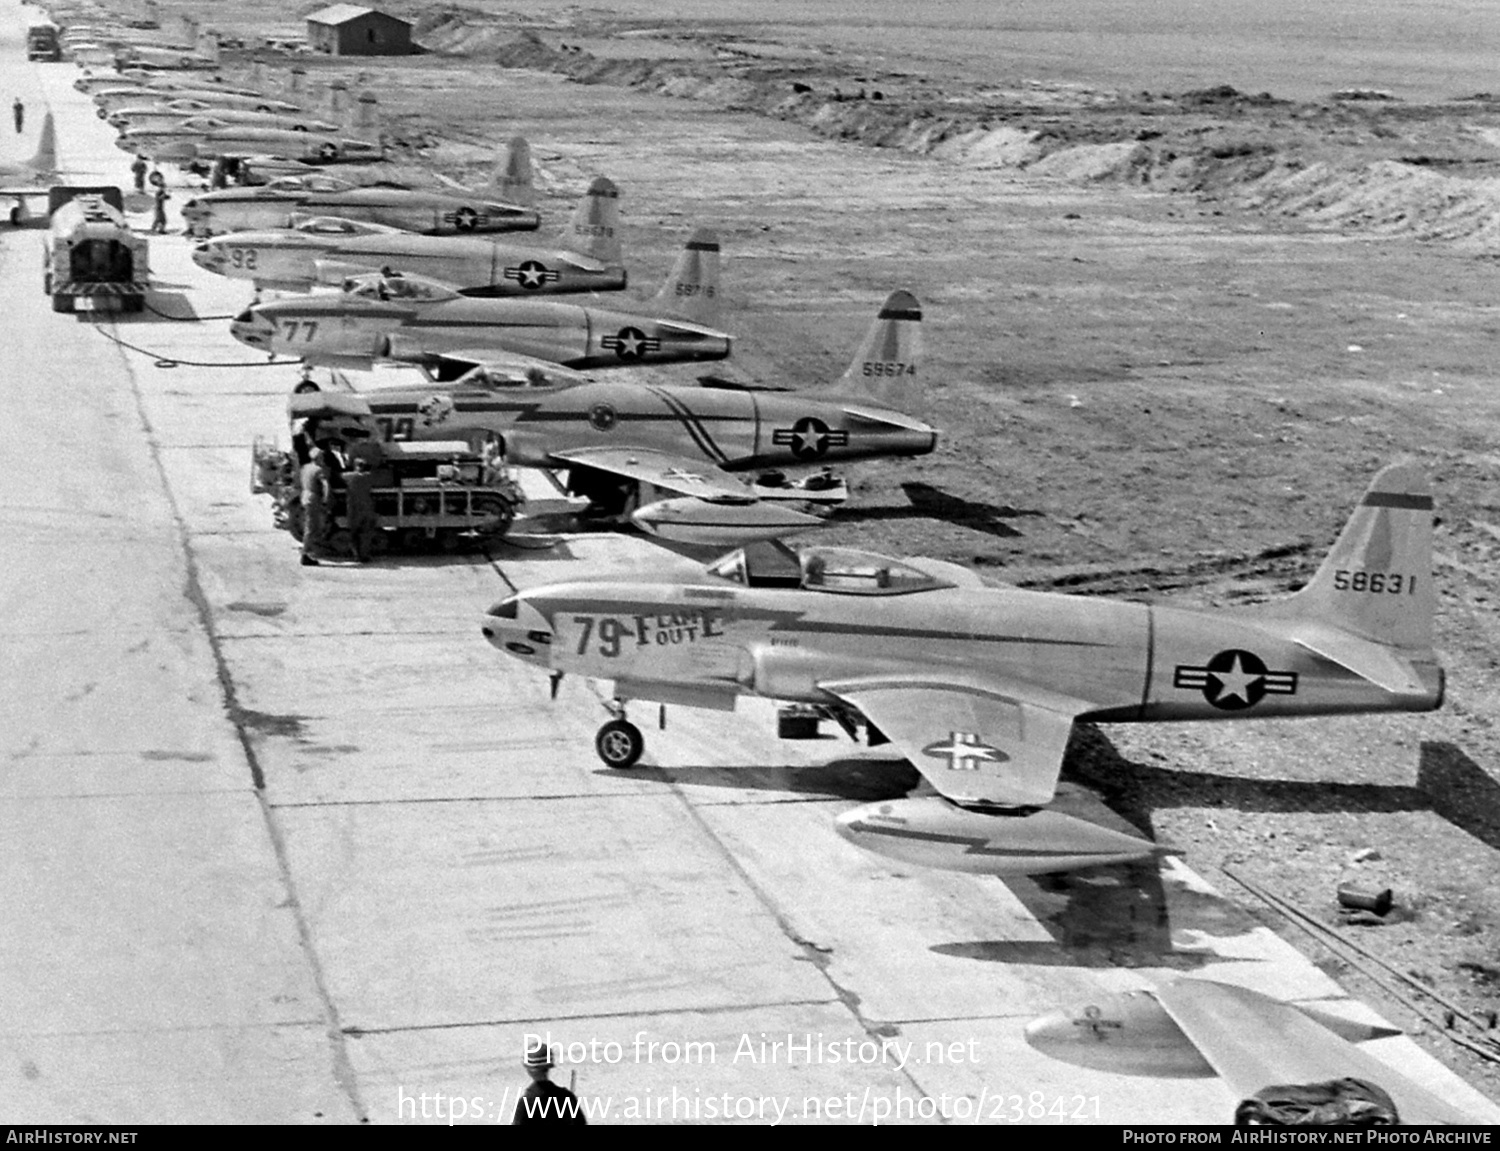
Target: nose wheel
[619, 743]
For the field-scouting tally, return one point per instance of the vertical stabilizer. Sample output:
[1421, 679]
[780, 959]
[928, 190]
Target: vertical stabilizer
[692, 289]
[512, 180]
[45, 160]
[594, 230]
[886, 367]
[1377, 581]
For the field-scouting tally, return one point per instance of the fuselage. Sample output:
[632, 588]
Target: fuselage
[291, 258]
[731, 430]
[1127, 662]
[341, 329]
[257, 210]
[187, 115]
[311, 147]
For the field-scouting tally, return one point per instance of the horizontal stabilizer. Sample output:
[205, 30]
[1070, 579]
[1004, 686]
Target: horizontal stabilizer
[1383, 666]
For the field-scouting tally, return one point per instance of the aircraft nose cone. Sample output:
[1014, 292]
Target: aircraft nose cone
[252, 329]
[209, 257]
[518, 629]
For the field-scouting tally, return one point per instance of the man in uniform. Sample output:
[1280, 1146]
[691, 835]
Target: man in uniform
[544, 1101]
[138, 170]
[315, 495]
[359, 492]
[159, 221]
[18, 110]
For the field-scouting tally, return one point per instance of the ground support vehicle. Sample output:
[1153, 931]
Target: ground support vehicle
[435, 494]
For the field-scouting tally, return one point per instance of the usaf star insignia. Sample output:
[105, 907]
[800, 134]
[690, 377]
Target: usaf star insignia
[809, 438]
[631, 343]
[964, 752]
[532, 275]
[1234, 680]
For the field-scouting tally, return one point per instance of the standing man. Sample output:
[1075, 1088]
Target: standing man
[18, 110]
[138, 170]
[359, 492]
[315, 496]
[160, 197]
[544, 1101]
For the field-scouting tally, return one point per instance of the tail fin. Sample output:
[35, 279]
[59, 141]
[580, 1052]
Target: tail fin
[886, 368]
[594, 230]
[692, 289]
[45, 159]
[1377, 581]
[512, 181]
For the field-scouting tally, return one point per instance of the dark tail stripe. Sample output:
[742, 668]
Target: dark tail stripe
[1398, 500]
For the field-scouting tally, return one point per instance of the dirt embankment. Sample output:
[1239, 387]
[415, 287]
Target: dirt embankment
[1358, 162]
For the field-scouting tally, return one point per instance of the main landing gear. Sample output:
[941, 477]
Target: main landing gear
[619, 742]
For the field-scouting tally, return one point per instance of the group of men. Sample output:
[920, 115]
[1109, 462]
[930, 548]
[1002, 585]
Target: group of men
[322, 473]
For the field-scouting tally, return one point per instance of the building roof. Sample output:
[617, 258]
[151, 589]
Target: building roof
[342, 14]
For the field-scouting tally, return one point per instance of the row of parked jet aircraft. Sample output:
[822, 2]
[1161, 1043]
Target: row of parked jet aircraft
[978, 686]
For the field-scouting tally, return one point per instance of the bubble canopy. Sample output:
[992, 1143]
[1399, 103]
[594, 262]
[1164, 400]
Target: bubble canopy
[845, 571]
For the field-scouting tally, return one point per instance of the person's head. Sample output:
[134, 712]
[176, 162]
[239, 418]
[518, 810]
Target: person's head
[538, 1062]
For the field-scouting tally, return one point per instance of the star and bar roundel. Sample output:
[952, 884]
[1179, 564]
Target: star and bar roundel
[964, 751]
[532, 275]
[809, 438]
[631, 343]
[1235, 680]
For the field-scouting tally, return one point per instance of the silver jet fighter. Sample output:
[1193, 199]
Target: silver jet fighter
[110, 100]
[198, 115]
[507, 204]
[313, 252]
[670, 457]
[163, 145]
[979, 687]
[414, 320]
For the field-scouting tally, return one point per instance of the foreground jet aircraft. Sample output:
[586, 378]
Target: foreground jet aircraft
[314, 251]
[1193, 1028]
[670, 452]
[506, 205]
[31, 178]
[980, 686]
[414, 320]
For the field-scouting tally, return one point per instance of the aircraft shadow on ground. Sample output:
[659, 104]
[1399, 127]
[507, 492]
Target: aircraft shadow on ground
[857, 780]
[928, 502]
[1449, 783]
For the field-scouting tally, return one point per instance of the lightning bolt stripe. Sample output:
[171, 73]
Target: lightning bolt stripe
[693, 425]
[977, 845]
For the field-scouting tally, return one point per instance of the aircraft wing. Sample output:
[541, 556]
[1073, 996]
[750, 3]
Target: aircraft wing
[975, 740]
[1255, 1042]
[688, 477]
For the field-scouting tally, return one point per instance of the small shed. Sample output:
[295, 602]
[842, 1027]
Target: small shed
[351, 30]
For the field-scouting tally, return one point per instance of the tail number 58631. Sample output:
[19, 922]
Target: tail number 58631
[1377, 583]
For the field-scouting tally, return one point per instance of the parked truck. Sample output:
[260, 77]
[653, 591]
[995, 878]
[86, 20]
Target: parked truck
[92, 260]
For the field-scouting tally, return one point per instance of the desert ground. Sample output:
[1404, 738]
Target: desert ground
[1186, 288]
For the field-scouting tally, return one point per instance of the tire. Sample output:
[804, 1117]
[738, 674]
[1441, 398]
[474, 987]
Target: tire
[62, 303]
[305, 386]
[15, 216]
[134, 304]
[619, 744]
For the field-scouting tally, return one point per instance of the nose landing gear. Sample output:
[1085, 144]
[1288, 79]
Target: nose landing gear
[619, 742]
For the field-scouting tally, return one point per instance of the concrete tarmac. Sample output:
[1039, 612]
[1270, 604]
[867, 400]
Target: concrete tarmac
[285, 844]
